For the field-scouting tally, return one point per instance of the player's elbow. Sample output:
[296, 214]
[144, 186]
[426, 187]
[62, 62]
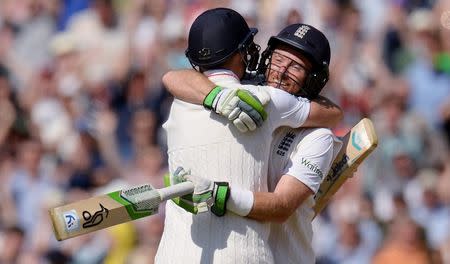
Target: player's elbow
[324, 113]
[167, 81]
[287, 208]
[283, 216]
[339, 115]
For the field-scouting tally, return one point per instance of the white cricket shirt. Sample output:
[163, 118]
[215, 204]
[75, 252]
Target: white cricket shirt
[307, 155]
[210, 146]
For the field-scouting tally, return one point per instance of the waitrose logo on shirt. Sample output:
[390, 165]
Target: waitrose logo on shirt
[313, 167]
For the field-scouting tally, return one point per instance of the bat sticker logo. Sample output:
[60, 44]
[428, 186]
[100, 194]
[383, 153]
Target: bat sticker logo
[71, 220]
[356, 141]
[337, 169]
[97, 218]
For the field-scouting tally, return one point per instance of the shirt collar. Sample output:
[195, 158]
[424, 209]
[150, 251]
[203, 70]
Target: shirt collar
[222, 75]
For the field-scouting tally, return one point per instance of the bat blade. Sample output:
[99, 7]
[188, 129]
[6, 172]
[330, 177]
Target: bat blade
[111, 209]
[358, 143]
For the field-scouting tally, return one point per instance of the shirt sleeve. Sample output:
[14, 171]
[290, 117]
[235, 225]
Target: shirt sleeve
[285, 109]
[312, 159]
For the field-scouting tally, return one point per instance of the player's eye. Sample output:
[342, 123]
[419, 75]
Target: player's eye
[278, 58]
[296, 67]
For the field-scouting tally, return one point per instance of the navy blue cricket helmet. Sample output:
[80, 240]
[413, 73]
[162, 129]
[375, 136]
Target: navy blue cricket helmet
[216, 35]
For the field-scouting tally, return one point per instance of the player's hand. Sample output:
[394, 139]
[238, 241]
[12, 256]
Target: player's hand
[243, 108]
[214, 194]
[207, 194]
[186, 202]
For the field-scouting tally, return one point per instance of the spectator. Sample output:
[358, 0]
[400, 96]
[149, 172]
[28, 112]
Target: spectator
[423, 71]
[13, 243]
[405, 243]
[6, 107]
[29, 187]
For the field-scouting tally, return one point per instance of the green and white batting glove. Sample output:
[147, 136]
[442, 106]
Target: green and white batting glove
[186, 202]
[208, 195]
[243, 108]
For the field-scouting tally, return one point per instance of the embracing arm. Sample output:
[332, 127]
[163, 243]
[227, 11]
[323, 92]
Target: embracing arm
[275, 206]
[188, 85]
[289, 110]
[323, 113]
[243, 109]
[279, 205]
[302, 177]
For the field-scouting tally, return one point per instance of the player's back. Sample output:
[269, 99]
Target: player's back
[207, 145]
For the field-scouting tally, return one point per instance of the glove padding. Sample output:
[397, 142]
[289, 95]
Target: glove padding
[243, 108]
[207, 194]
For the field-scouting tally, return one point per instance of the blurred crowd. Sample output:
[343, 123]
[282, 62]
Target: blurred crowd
[81, 108]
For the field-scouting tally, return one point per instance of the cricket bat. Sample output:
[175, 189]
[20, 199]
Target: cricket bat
[358, 143]
[110, 209]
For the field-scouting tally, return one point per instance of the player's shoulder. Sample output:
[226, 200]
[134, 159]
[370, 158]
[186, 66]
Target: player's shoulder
[320, 139]
[318, 134]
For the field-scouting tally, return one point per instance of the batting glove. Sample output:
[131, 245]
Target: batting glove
[208, 195]
[244, 109]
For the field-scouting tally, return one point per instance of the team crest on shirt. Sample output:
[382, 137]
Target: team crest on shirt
[285, 143]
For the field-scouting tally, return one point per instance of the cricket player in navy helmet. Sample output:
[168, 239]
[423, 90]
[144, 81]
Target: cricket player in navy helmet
[282, 71]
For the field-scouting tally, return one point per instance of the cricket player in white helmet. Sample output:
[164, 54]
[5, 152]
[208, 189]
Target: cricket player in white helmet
[204, 143]
[296, 61]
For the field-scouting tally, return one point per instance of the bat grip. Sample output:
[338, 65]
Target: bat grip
[176, 190]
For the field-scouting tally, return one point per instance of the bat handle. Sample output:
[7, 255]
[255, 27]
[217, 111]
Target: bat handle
[176, 190]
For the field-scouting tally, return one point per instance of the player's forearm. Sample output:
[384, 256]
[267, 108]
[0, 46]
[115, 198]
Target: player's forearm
[279, 205]
[271, 207]
[188, 85]
[261, 206]
[324, 113]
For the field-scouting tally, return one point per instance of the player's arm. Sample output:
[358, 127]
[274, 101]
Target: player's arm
[193, 87]
[244, 109]
[288, 110]
[324, 113]
[188, 85]
[279, 205]
[301, 179]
